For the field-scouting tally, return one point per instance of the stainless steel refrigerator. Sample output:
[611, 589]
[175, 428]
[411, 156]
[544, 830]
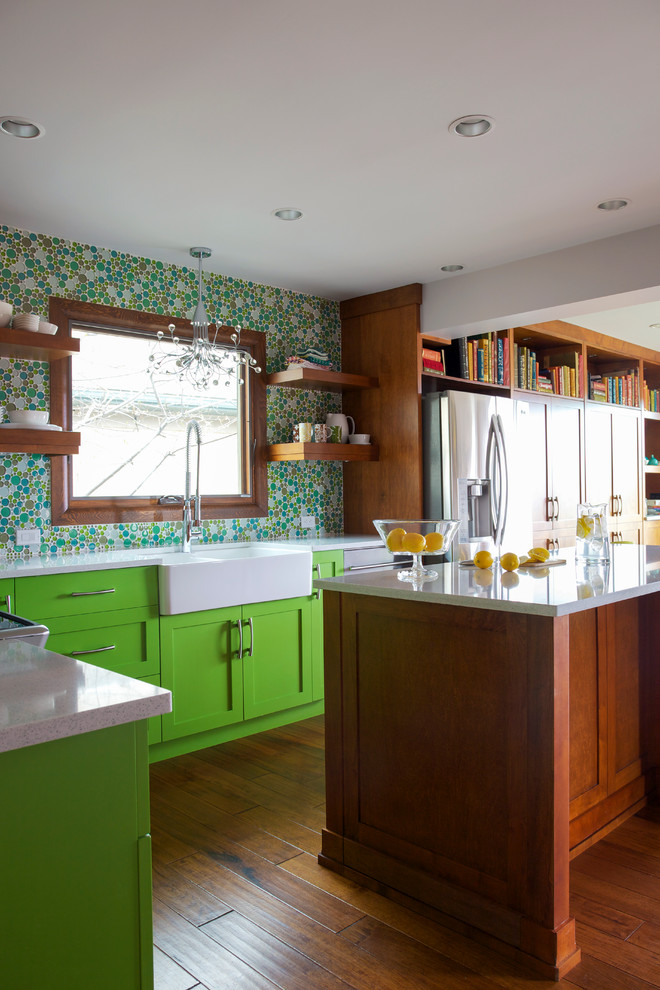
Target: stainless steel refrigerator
[474, 470]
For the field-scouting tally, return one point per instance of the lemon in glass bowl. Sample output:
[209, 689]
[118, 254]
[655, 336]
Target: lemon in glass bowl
[418, 537]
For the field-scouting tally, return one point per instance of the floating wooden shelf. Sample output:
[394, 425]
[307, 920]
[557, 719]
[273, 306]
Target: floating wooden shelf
[322, 452]
[29, 346]
[328, 381]
[652, 469]
[48, 442]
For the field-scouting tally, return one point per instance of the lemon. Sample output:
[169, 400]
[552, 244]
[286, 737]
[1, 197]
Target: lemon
[394, 537]
[434, 542]
[539, 553]
[483, 558]
[509, 561]
[412, 542]
[585, 527]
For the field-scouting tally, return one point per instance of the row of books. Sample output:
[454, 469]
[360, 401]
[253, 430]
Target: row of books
[651, 398]
[558, 373]
[621, 389]
[480, 358]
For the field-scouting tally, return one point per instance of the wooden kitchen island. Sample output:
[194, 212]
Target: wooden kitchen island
[482, 731]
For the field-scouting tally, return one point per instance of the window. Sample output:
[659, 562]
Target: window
[133, 434]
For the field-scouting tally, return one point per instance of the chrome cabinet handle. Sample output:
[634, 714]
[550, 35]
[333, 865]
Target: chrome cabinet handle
[8, 602]
[84, 653]
[613, 502]
[239, 623]
[556, 500]
[84, 594]
[251, 650]
[550, 502]
[620, 504]
[316, 591]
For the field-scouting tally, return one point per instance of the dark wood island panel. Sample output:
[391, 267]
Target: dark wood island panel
[469, 749]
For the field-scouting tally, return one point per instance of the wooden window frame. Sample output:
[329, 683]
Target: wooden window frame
[66, 510]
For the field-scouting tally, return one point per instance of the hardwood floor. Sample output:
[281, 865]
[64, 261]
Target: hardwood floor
[241, 902]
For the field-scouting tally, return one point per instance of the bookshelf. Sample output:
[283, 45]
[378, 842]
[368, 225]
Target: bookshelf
[612, 377]
[480, 361]
[546, 364]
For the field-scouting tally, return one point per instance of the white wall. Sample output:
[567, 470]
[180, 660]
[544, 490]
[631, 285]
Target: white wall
[601, 275]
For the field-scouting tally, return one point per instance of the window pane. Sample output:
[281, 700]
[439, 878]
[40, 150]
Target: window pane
[133, 435]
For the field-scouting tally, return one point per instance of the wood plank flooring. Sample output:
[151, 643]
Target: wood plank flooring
[241, 902]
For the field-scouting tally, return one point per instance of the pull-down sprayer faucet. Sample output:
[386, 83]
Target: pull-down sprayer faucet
[192, 522]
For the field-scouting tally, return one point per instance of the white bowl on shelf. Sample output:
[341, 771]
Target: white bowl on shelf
[26, 321]
[27, 417]
[45, 327]
[6, 312]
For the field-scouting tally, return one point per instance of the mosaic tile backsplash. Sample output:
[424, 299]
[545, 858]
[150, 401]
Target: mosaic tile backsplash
[35, 266]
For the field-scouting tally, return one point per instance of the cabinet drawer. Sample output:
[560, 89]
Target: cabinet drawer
[86, 592]
[110, 641]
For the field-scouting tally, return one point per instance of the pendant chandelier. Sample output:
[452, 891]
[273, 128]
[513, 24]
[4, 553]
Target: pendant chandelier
[200, 362]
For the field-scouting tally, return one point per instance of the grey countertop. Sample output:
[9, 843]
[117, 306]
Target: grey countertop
[554, 590]
[142, 557]
[46, 696]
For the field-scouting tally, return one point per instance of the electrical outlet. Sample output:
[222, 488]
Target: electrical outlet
[27, 537]
[308, 522]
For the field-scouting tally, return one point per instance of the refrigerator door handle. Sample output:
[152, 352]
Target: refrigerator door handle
[504, 477]
[490, 472]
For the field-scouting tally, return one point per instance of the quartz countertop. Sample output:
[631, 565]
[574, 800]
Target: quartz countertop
[554, 590]
[146, 556]
[46, 696]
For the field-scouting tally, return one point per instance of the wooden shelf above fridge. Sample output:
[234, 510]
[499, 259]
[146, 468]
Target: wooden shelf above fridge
[48, 442]
[322, 452]
[327, 381]
[28, 346]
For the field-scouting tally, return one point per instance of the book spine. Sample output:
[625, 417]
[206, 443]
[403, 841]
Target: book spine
[462, 352]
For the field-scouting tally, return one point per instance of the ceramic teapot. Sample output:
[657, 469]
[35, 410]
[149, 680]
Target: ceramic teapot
[338, 419]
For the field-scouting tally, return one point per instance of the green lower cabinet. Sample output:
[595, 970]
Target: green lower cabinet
[7, 595]
[200, 665]
[327, 564]
[224, 666]
[126, 641]
[277, 656]
[75, 858]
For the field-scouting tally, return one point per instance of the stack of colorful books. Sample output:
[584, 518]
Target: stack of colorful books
[622, 388]
[651, 398]
[481, 358]
[556, 373]
[433, 362]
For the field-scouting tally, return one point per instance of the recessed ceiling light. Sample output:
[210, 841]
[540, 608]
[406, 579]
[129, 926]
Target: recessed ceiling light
[474, 125]
[452, 268]
[287, 213]
[20, 127]
[613, 204]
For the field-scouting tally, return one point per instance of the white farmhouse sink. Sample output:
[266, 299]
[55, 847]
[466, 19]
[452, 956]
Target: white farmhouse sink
[214, 577]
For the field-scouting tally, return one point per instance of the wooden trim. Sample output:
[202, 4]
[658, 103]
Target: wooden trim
[28, 346]
[322, 452]
[376, 302]
[328, 381]
[67, 510]
[46, 442]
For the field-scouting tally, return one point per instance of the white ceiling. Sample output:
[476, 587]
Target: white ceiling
[170, 124]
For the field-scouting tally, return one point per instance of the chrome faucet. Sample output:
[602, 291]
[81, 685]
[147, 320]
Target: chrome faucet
[192, 521]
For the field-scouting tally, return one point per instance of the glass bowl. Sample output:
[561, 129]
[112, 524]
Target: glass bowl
[419, 537]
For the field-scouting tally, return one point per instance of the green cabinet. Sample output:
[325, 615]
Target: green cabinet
[108, 618]
[7, 598]
[227, 665]
[202, 667]
[327, 563]
[75, 859]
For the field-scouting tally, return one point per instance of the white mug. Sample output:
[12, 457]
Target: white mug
[359, 438]
[338, 419]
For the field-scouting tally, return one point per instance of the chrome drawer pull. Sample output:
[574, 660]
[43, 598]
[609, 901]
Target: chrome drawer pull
[84, 594]
[370, 567]
[82, 653]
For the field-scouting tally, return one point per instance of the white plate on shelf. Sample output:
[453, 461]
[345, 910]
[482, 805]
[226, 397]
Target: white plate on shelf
[30, 426]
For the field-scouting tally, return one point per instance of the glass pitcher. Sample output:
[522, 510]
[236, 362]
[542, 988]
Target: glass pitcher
[591, 537]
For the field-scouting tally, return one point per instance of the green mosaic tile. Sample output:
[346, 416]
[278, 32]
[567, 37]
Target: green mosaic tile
[36, 266]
